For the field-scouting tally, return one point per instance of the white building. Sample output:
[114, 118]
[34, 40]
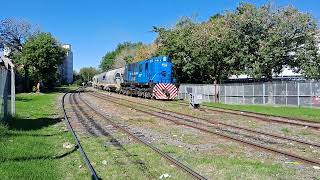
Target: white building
[66, 68]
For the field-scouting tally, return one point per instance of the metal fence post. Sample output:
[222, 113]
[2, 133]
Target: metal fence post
[311, 95]
[298, 94]
[243, 100]
[286, 94]
[185, 92]
[219, 92]
[263, 93]
[5, 98]
[13, 93]
[225, 94]
[253, 97]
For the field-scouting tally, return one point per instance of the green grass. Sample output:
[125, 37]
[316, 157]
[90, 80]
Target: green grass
[217, 166]
[31, 145]
[290, 112]
[127, 161]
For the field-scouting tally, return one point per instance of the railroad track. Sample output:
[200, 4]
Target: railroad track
[148, 109]
[263, 117]
[215, 122]
[92, 171]
[136, 137]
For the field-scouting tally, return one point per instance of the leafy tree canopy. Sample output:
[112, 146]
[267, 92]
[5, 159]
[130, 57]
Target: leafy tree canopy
[86, 74]
[40, 56]
[14, 33]
[126, 52]
[257, 41]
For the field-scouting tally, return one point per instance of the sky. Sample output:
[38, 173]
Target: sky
[95, 27]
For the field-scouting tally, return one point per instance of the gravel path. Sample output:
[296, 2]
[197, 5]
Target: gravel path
[166, 133]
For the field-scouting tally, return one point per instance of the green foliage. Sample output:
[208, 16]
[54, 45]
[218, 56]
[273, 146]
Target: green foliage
[86, 74]
[199, 51]
[271, 39]
[257, 41]
[40, 56]
[14, 33]
[126, 52]
[107, 61]
[77, 80]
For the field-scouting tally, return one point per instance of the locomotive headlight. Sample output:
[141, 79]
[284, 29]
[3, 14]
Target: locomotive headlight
[164, 64]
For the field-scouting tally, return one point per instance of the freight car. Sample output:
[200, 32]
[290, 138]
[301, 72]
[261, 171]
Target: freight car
[151, 78]
[110, 80]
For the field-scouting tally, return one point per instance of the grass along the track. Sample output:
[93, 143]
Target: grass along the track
[289, 112]
[31, 145]
[226, 162]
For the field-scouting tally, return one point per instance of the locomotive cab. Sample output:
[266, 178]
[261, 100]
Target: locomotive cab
[150, 78]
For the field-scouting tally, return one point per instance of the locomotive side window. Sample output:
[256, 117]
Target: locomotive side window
[146, 67]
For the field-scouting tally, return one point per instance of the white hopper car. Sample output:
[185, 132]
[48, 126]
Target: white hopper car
[110, 80]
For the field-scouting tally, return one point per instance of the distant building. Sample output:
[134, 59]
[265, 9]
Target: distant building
[66, 68]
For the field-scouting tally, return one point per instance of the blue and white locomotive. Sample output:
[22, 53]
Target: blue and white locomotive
[151, 78]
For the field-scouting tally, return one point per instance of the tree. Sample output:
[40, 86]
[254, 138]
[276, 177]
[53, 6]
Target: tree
[177, 43]
[258, 42]
[107, 61]
[40, 56]
[13, 33]
[86, 74]
[270, 39]
[123, 54]
[144, 51]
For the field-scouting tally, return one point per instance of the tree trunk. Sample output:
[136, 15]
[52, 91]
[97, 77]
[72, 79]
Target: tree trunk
[38, 87]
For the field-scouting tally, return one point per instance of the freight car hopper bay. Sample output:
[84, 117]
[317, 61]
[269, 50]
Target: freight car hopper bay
[305, 142]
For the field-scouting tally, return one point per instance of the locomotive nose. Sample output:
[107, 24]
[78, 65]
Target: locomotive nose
[166, 92]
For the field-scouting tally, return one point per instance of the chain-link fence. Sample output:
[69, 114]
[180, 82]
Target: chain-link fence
[289, 93]
[7, 89]
[207, 92]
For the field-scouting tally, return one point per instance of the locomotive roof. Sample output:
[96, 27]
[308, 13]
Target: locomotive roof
[157, 58]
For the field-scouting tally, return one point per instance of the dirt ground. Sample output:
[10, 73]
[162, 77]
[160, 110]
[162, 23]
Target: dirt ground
[210, 155]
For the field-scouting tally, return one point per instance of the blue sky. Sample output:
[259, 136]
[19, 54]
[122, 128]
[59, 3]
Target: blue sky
[97, 26]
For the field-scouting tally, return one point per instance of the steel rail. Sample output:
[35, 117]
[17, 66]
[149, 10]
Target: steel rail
[93, 173]
[297, 157]
[185, 168]
[215, 122]
[264, 117]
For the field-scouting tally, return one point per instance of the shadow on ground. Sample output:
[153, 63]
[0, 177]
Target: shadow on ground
[22, 99]
[60, 90]
[31, 124]
[28, 158]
